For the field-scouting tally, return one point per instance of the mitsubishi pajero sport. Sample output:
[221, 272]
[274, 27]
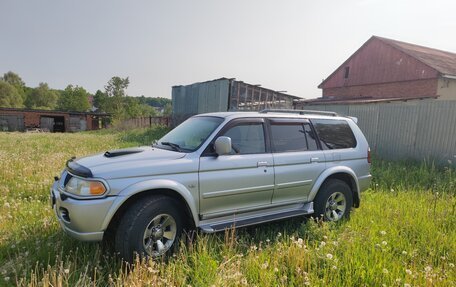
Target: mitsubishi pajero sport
[212, 172]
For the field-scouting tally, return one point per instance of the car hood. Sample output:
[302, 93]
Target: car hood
[126, 160]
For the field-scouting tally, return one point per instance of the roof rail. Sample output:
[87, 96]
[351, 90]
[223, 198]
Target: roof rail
[301, 112]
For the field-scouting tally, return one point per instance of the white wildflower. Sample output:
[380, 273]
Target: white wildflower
[404, 252]
[385, 271]
[329, 256]
[408, 271]
[383, 232]
[66, 271]
[384, 243]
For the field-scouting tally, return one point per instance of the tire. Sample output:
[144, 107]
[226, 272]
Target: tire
[334, 201]
[151, 228]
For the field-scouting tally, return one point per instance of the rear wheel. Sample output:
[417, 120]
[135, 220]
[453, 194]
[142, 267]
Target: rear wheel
[334, 200]
[151, 227]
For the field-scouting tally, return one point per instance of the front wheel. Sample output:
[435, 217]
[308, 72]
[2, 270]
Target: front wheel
[334, 200]
[151, 227]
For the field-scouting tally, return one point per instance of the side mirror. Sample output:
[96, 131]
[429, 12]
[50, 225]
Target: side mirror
[222, 145]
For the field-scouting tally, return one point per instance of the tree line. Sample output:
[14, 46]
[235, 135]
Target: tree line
[113, 100]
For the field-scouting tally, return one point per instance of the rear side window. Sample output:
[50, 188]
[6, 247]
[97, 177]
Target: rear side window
[334, 134]
[289, 137]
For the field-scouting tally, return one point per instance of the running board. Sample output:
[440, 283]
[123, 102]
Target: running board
[241, 221]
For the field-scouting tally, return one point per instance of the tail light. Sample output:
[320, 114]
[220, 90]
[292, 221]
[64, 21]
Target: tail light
[369, 159]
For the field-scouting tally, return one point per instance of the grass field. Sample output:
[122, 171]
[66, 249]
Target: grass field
[404, 234]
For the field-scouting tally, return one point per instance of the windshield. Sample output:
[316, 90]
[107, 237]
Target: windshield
[189, 135]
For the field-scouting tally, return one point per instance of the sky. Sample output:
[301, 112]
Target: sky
[282, 45]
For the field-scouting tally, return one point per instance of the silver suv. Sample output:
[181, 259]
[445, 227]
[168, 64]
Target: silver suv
[212, 172]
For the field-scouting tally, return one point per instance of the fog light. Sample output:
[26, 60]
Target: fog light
[64, 214]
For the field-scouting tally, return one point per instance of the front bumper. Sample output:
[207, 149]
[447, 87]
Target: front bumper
[82, 219]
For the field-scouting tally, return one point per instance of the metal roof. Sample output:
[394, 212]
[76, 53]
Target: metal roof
[53, 111]
[234, 79]
[364, 100]
[442, 61]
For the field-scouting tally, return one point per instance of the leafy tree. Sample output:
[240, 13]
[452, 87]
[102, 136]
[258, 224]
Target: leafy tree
[100, 100]
[133, 108]
[116, 87]
[155, 102]
[16, 81]
[74, 98]
[116, 93]
[168, 110]
[42, 97]
[13, 79]
[9, 96]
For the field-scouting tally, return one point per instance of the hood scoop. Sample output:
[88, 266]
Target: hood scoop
[121, 152]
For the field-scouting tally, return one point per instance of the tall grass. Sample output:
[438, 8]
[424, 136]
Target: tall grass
[404, 233]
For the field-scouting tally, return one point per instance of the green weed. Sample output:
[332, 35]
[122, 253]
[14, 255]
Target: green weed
[404, 233]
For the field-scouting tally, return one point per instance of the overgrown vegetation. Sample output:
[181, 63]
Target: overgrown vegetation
[114, 100]
[404, 234]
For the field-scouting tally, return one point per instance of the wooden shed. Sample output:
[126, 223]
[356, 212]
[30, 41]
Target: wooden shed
[12, 119]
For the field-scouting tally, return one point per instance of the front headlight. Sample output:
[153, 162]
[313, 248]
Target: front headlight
[83, 187]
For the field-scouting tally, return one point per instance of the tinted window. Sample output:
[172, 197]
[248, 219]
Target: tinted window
[292, 137]
[247, 138]
[334, 134]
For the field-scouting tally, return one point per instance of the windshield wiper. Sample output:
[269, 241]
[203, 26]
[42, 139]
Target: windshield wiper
[174, 146]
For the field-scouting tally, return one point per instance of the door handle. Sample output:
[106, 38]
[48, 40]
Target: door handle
[262, 163]
[314, 159]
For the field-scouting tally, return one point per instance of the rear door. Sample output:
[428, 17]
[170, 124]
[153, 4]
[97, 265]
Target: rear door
[239, 181]
[298, 161]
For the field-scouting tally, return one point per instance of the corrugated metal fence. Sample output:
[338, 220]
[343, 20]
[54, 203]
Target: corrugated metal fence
[417, 130]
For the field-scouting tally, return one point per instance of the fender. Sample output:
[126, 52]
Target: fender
[146, 185]
[330, 171]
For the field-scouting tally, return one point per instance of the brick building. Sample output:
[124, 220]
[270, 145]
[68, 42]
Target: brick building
[385, 69]
[12, 119]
